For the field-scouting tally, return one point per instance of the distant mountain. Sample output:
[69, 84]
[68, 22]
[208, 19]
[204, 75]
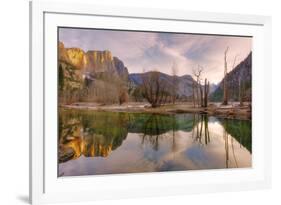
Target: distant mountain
[242, 71]
[184, 83]
[213, 87]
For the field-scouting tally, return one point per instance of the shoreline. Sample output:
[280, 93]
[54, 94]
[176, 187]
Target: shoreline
[231, 111]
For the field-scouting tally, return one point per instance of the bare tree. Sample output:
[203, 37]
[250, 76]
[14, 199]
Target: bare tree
[108, 89]
[233, 87]
[198, 89]
[201, 96]
[226, 87]
[206, 92]
[154, 90]
[225, 91]
[193, 93]
[241, 88]
[201, 91]
[234, 61]
[241, 93]
[175, 82]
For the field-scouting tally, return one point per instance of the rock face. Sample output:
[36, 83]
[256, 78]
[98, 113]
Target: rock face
[62, 53]
[92, 62]
[184, 83]
[99, 61]
[243, 73]
[77, 58]
[73, 56]
[120, 68]
[74, 63]
[70, 78]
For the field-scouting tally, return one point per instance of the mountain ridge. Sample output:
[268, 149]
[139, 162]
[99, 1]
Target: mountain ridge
[184, 83]
[243, 73]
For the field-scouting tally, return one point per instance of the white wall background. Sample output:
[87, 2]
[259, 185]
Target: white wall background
[14, 100]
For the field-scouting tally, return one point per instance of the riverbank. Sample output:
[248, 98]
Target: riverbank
[231, 111]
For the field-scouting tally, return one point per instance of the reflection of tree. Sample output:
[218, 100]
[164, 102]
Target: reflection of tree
[234, 156]
[200, 130]
[174, 144]
[225, 137]
[232, 129]
[156, 128]
[153, 129]
[241, 130]
[154, 89]
[226, 142]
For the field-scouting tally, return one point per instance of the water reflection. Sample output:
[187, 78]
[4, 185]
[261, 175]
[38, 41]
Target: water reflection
[105, 142]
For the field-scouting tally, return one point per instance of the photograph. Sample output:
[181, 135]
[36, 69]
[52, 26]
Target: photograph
[133, 101]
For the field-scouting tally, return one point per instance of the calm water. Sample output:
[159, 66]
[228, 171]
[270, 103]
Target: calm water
[108, 143]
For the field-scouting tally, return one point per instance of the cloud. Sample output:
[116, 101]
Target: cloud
[159, 51]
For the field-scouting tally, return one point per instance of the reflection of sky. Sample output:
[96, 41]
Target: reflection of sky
[184, 154]
[149, 51]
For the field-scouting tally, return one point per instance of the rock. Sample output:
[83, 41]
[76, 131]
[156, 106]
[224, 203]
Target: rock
[77, 58]
[65, 154]
[120, 68]
[100, 61]
[92, 62]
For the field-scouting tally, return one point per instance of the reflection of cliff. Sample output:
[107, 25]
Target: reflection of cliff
[89, 147]
[99, 133]
[90, 136]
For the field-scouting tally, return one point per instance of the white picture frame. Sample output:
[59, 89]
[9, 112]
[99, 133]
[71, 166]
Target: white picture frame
[46, 187]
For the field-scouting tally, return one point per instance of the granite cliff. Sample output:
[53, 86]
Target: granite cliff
[77, 65]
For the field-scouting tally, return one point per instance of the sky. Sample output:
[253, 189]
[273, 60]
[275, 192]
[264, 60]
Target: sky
[146, 51]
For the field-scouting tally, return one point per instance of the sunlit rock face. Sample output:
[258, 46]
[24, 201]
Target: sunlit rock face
[77, 57]
[62, 53]
[93, 146]
[100, 61]
[72, 79]
[73, 56]
[70, 64]
[92, 61]
[76, 65]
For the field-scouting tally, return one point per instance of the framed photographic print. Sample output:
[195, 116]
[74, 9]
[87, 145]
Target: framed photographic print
[129, 102]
